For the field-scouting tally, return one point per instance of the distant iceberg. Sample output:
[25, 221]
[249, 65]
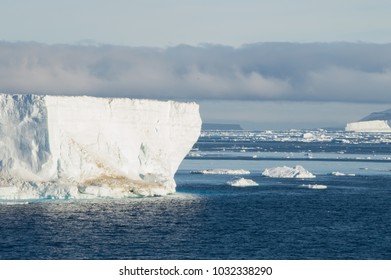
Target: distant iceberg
[220, 171]
[288, 172]
[369, 126]
[242, 182]
[82, 147]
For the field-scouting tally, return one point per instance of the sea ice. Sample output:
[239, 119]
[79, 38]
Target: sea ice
[220, 171]
[337, 173]
[288, 172]
[315, 187]
[242, 182]
[14, 202]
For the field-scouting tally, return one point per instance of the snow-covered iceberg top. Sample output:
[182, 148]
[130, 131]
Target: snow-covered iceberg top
[288, 172]
[242, 182]
[72, 147]
[222, 171]
[369, 126]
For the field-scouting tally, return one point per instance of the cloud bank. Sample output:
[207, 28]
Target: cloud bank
[339, 72]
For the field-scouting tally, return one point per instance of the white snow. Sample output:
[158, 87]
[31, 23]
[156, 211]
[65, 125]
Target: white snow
[71, 147]
[242, 182]
[369, 126]
[222, 171]
[315, 187]
[288, 172]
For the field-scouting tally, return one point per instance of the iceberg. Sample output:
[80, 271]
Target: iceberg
[83, 147]
[242, 182]
[288, 172]
[369, 126]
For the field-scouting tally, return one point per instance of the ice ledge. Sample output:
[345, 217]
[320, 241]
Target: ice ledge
[369, 126]
[71, 147]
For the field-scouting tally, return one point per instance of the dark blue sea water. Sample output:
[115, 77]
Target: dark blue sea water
[207, 219]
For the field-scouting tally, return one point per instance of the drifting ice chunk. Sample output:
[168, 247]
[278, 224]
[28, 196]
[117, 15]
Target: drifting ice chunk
[336, 173]
[308, 135]
[69, 147]
[242, 182]
[222, 172]
[14, 202]
[315, 187]
[288, 172]
[317, 137]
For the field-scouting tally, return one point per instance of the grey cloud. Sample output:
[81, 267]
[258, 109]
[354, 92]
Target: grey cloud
[347, 72]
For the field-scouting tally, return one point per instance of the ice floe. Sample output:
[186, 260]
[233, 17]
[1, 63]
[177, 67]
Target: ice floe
[222, 171]
[242, 182]
[337, 173]
[315, 187]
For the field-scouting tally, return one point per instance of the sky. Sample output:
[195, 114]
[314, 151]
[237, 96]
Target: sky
[264, 64]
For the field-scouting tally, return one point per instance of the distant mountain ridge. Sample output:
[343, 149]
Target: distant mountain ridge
[383, 115]
[374, 122]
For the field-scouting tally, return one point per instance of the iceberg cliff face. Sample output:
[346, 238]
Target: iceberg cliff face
[80, 147]
[369, 126]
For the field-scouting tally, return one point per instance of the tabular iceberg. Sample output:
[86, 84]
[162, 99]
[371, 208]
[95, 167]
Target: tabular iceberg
[369, 126]
[81, 147]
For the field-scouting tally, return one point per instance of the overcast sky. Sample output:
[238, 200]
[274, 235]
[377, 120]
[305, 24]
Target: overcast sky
[222, 54]
[172, 22]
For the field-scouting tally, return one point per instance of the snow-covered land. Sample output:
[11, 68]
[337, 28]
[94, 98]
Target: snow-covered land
[369, 126]
[288, 172]
[242, 182]
[79, 147]
[383, 115]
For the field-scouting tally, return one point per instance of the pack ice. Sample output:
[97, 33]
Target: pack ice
[85, 147]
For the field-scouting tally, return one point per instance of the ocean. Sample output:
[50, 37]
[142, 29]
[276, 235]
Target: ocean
[349, 217]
